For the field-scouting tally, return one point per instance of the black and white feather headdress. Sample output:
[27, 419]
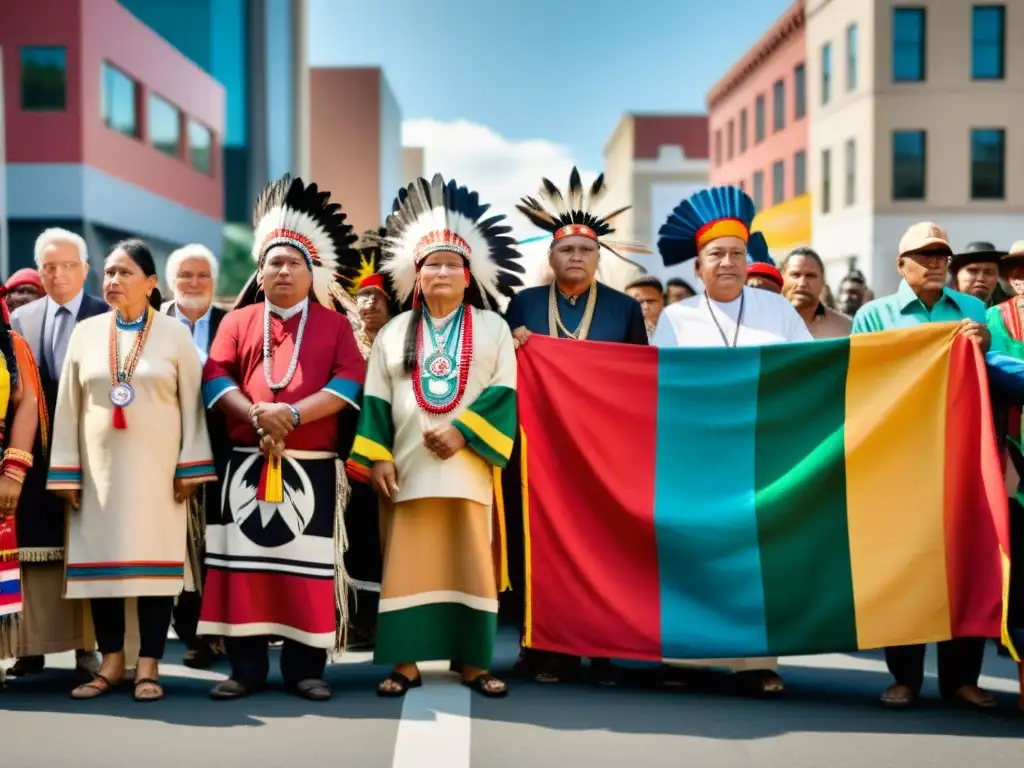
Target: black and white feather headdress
[290, 212]
[442, 216]
[576, 213]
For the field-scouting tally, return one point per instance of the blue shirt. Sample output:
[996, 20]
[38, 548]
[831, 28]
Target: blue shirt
[903, 310]
[200, 331]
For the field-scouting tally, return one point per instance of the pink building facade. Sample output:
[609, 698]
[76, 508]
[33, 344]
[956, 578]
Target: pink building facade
[111, 132]
[759, 130]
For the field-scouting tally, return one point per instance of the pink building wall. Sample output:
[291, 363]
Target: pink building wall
[95, 31]
[775, 56]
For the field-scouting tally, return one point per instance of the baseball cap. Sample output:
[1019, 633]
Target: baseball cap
[924, 236]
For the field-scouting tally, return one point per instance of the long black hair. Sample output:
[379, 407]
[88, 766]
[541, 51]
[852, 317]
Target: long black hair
[139, 252]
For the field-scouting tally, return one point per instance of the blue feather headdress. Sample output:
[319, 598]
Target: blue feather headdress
[706, 216]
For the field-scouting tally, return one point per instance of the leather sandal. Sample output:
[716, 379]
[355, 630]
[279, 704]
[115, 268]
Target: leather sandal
[313, 689]
[973, 696]
[143, 682]
[98, 686]
[899, 696]
[402, 682]
[480, 684]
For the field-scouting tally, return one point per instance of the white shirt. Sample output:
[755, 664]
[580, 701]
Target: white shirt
[288, 314]
[768, 318]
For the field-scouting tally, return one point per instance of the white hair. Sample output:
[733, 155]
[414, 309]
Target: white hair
[186, 252]
[58, 235]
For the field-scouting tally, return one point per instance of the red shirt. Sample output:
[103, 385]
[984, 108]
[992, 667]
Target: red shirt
[329, 359]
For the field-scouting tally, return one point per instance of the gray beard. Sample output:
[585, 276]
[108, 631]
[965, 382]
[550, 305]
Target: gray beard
[194, 303]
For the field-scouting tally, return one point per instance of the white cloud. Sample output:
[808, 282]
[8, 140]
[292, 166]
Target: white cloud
[500, 169]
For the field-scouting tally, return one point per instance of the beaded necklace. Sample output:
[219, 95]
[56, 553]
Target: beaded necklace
[555, 319]
[121, 392]
[268, 355]
[438, 382]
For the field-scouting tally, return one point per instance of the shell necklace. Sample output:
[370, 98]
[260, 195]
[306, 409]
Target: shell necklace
[268, 355]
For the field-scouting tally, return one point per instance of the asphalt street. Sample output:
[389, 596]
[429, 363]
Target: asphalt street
[828, 718]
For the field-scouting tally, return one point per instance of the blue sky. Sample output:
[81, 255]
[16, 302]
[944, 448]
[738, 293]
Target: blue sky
[561, 71]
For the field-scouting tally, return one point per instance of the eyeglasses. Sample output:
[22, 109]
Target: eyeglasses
[437, 269]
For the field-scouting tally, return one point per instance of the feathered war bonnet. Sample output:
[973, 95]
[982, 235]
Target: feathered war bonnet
[575, 213]
[365, 273]
[442, 216]
[708, 215]
[289, 212]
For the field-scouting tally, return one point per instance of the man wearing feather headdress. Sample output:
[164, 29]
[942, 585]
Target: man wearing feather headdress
[439, 414]
[575, 305]
[274, 552]
[713, 227]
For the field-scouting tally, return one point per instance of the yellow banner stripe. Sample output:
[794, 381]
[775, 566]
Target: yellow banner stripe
[498, 442]
[897, 531]
[370, 450]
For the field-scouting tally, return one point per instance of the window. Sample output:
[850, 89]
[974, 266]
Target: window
[743, 185]
[731, 139]
[988, 42]
[799, 92]
[200, 146]
[743, 131]
[908, 45]
[718, 147]
[851, 57]
[851, 172]
[164, 126]
[44, 78]
[120, 101]
[826, 73]
[758, 190]
[909, 154]
[988, 164]
[778, 182]
[826, 181]
[800, 173]
[778, 106]
[759, 119]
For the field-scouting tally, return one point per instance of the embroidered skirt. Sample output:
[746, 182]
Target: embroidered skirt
[439, 598]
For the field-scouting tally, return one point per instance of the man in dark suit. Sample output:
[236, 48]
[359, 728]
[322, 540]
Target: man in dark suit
[192, 276]
[50, 623]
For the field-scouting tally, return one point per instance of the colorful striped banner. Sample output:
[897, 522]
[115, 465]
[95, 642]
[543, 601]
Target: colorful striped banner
[794, 499]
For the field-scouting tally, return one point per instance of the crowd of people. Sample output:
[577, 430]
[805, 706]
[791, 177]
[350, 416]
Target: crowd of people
[317, 467]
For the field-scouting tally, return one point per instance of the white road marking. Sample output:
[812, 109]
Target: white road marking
[435, 728]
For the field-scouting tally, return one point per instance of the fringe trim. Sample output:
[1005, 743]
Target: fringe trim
[8, 555]
[10, 634]
[342, 582]
[196, 527]
[41, 554]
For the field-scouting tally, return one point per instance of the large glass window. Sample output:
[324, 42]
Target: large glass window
[988, 164]
[908, 45]
[743, 130]
[759, 119]
[200, 146]
[826, 73]
[799, 91]
[800, 173]
[778, 182]
[988, 42]
[731, 139]
[778, 105]
[119, 94]
[851, 57]
[758, 195]
[826, 181]
[909, 161]
[164, 125]
[44, 78]
[851, 172]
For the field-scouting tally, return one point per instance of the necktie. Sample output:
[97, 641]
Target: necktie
[61, 333]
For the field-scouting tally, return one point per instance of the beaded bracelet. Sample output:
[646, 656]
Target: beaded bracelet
[15, 453]
[14, 474]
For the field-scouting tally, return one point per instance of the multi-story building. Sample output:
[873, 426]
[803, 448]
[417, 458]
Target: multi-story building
[5, 270]
[758, 124]
[257, 50]
[355, 141]
[651, 163]
[916, 109]
[111, 132]
[413, 163]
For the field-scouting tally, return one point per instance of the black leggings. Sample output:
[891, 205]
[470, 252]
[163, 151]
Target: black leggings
[154, 621]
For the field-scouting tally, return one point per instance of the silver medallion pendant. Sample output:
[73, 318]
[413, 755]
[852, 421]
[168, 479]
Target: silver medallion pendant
[121, 395]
